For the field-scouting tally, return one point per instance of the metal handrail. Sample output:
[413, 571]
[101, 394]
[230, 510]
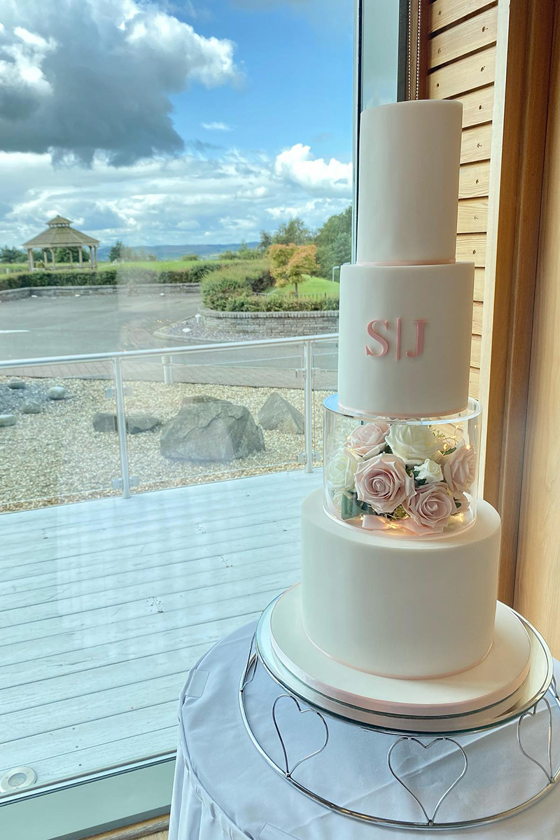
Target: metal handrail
[166, 354]
[167, 351]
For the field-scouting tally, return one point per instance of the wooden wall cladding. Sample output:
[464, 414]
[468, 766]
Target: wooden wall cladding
[461, 61]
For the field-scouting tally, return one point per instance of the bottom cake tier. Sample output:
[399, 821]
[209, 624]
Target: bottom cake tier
[399, 607]
[482, 693]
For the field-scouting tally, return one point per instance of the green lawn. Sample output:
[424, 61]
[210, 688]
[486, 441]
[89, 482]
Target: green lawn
[312, 286]
[155, 265]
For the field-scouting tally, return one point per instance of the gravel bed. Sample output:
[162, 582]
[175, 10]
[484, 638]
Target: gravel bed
[56, 457]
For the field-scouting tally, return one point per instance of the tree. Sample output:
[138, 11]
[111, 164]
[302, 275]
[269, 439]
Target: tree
[62, 255]
[293, 232]
[334, 241]
[303, 261]
[190, 257]
[116, 251]
[12, 255]
[265, 241]
[291, 262]
[280, 256]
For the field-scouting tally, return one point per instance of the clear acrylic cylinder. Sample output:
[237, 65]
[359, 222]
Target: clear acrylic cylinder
[407, 478]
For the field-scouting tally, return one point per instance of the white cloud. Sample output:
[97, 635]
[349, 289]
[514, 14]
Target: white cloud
[97, 75]
[188, 198]
[299, 166]
[216, 126]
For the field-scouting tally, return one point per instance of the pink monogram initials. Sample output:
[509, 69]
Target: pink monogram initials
[382, 341]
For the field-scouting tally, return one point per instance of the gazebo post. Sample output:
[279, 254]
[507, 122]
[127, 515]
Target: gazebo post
[30, 259]
[53, 259]
[91, 265]
[80, 256]
[44, 250]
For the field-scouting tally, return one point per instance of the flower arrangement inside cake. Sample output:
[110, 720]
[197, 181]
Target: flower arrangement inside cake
[403, 477]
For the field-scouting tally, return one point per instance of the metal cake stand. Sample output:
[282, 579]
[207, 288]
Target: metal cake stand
[539, 692]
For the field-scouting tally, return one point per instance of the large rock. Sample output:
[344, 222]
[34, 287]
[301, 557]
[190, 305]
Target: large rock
[31, 407]
[278, 413]
[17, 384]
[138, 423]
[57, 392]
[208, 429]
[105, 421]
[7, 420]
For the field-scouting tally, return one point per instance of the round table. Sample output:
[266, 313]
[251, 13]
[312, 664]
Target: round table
[224, 789]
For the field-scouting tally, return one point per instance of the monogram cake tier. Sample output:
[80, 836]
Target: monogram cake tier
[399, 559]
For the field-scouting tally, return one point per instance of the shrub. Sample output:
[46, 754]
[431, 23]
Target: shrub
[235, 280]
[107, 277]
[271, 303]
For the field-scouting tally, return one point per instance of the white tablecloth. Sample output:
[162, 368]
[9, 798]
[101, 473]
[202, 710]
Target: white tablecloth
[225, 789]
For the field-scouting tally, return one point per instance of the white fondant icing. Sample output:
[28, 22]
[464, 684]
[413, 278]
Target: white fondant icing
[405, 339]
[498, 676]
[399, 608]
[409, 181]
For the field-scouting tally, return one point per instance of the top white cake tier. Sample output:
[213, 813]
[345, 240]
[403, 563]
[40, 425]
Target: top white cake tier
[409, 182]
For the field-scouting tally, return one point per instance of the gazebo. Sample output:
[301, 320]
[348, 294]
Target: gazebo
[59, 234]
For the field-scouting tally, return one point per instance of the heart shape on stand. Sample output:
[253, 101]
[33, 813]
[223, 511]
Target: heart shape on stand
[547, 769]
[456, 748]
[291, 770]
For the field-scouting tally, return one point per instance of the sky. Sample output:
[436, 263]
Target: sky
[174, 121]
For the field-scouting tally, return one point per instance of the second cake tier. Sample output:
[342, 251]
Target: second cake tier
[405, 339]
[398, 607]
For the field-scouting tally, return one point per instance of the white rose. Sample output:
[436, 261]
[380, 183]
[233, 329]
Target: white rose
[414, 444]
[341, 470]
[429, 471]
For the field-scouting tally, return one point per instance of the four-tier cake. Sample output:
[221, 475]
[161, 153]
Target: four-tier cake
[397, 609]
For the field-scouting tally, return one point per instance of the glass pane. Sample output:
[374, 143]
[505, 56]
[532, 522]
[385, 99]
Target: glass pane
[206, 415]
[114, 220]
[381, 22]
[50, 452]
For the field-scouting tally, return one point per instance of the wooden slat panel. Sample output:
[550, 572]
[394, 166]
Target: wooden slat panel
[475, 143]
[477, 106]
[479, 284]
[475, 351]
[474, 180]
[474, 382]
[445, 12]
[473, 34]
[471, 247]
[477, 318]
[473, 215]
[463, 76]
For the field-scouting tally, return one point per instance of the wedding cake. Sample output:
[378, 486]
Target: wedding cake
[397, 609]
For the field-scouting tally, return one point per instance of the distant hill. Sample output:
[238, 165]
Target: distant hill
[175, 252]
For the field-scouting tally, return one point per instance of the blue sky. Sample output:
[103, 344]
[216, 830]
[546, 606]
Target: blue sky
[297, 61]
[164, 122]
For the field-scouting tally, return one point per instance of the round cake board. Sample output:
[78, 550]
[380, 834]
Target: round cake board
[492, 682]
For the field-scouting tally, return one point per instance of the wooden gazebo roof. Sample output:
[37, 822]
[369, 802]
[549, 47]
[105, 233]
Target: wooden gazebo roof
[59, 234]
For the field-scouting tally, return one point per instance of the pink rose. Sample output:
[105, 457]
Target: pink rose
[369, 439]
[459, 468]
[383, 483]
[429, 509]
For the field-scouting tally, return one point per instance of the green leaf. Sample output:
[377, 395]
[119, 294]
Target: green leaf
[351, 506]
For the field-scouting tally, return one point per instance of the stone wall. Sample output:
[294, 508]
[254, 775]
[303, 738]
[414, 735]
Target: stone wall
[271, 324]
[71, 291]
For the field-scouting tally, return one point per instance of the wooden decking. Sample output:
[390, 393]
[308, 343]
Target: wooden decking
[104, 605]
